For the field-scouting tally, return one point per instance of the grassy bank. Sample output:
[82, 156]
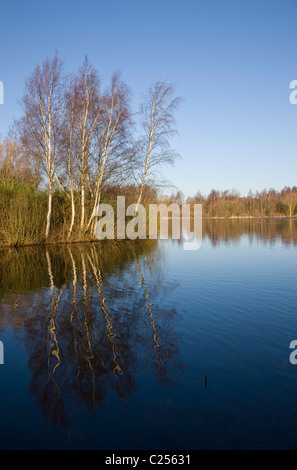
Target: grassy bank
[23, 217]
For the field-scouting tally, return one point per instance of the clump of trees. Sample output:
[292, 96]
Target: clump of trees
[267, 203]
[77, 140]
[78, 143]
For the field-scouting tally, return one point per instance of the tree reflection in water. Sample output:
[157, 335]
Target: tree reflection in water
[91, 316]
[89, 321]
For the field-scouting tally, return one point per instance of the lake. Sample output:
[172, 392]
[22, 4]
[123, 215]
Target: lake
[144, 345]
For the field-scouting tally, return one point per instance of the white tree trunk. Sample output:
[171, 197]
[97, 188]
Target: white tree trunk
[49, 212]
[72, 214]
[82, 222]
[142, 184]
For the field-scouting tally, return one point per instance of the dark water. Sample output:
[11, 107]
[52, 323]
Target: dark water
[107, 347]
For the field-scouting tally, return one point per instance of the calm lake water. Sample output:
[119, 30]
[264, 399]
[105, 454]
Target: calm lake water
[107, 347]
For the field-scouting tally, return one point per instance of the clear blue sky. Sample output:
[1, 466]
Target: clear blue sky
[232, 62]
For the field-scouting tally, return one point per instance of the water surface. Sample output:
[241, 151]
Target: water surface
[107, 345]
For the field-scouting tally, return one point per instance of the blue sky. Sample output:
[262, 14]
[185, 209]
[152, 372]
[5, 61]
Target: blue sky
[232, 62]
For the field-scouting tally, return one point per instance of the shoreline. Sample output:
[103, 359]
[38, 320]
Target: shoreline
[118, 241]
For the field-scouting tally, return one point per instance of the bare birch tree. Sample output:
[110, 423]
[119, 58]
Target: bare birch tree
[43, 105]
[158, 123]
[87, 113]
[113, 154]
[70, 156]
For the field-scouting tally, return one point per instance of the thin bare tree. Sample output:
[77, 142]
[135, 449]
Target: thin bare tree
[87, 112]
[158, 123]
[113, 154]
[43, 105]
[69, 151]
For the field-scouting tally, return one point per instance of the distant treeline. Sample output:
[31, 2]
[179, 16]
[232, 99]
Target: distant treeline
[267, 203]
